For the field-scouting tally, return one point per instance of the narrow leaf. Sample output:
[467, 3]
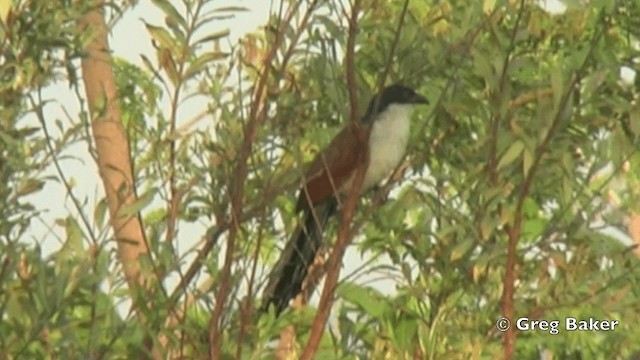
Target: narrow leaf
[488, 6]
[511, 154]
[366, 298]
[557, 85]
[203, 60]
[231, 9]
[30, 186]
[74, 235]
[171, 12]
[461, 249]
[213, 37]
[148, 64]
[162, 36]
[5, 8]
[138, 205]
[100, 212]
[168, 65]
[527, 161]
[405, 331]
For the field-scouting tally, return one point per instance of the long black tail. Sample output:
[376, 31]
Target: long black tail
[285, 281]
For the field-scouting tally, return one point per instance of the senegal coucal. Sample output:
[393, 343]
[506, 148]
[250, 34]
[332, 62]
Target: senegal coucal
[386, 123]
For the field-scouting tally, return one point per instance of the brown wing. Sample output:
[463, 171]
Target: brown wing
[331, 168]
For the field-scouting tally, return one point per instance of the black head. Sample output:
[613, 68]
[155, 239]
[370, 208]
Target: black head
[393, 94]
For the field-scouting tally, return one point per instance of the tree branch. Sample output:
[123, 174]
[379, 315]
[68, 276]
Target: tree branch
[256, 119]
[113, 154]
[344, 233]
[513, 231]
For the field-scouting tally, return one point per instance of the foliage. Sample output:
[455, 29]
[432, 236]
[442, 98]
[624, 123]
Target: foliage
[522, 167]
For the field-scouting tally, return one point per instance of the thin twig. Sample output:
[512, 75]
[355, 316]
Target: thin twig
[344, 233]
[513, 231]
[175, 195]
[492, 167]
[256, 118]
[245, 310]
[76, 202]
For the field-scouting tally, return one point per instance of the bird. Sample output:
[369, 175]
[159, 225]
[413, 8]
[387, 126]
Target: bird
[331, 175]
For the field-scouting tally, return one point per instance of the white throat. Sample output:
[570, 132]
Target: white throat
[388, 142]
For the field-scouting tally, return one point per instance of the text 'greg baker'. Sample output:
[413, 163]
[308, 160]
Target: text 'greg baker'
[590, 325]
[570, 324]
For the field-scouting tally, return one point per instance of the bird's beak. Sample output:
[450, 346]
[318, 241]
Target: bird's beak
[419, 99]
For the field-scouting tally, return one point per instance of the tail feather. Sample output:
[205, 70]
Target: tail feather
[286, 279]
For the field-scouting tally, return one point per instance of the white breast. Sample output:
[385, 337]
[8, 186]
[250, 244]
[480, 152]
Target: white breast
[388, 143]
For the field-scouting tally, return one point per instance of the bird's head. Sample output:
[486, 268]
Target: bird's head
[393, 95]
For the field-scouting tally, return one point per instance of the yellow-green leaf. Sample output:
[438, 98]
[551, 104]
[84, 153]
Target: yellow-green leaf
[5, 8]
[527, 161]
[461, 249]
[162, 37]
[488, 6]
[138, 205]
[171, 12]
[99, 212]
[557, 85]
[511, 154]
[213, 37]
[203, 60]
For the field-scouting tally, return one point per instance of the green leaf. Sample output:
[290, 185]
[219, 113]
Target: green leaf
[488, 6]
[213, 37]
[533, 228]
[231, 9]
[5, 8]
[483, 68]
[330, 25]
[73, 243]
[176, 30]
[370, 300]
[594, 81]
[557, 85]
[530, 208]
[74, 234]
[171, 12]
[203, 60]
[168, 64]
[634, 120]
[461, 249]
[100, 212]
[148, 64]
[404, 332]
[30, 186]
[527, 161]
[138, 205]
[512, 153]
[162, 37]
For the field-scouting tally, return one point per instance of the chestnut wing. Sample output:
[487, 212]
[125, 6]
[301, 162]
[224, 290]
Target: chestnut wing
[331, 168]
